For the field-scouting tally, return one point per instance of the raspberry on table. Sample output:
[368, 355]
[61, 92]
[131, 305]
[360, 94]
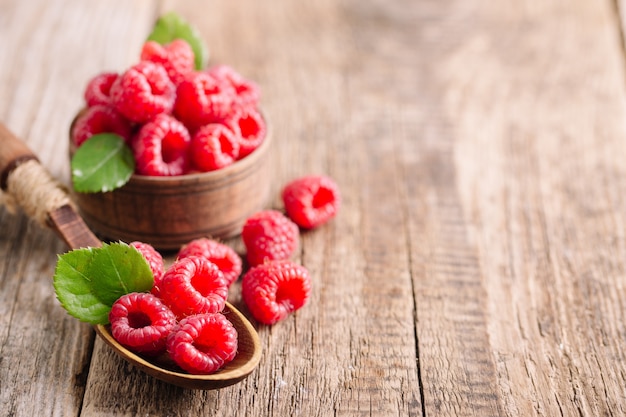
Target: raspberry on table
[275, 289]
[100, 119]
[220, 254]
[98, 89]
[201, 99]
[203, 343]
[194, 285]
[141, 322]
[311, 200]
[143, 92]
[247, 93]
[249, 126]
[214, 146]
[161, 148]
[176, 57]
[269, 235]
[155, 261]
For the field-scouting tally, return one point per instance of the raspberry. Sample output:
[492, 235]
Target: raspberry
[161, 147]
[201, 99]
[220, 254]
[246, 92]
[141, 322]
[249, 126]
[176, 57]
[155, 261]
[269, 235]
[214, 146]
[203, 343]
[143, 92]
[99, 119]
[194, 285]
[275, 289]
[311, 201]
[98, 89]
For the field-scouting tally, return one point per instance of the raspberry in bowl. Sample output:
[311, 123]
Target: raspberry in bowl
[199, 143]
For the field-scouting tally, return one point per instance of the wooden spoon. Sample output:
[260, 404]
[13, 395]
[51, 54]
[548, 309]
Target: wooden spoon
[44, 200]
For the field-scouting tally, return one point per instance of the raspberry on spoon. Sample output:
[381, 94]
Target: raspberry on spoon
[141, 322]
[203, 343]
[220, 254]
[155, 261]
[194, 285]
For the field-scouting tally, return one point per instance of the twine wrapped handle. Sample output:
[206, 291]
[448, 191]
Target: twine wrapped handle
[27, 184]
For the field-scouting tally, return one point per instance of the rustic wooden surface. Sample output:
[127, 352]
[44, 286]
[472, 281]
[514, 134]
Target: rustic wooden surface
[478, 265]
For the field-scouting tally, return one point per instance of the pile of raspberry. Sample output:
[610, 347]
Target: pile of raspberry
[177, 120]
[182, 315]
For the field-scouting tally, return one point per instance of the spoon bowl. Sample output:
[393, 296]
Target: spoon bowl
[30, 186]
[248, 356]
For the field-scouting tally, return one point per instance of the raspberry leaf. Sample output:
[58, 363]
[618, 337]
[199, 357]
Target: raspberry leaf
[171, 26]
[102, 163]
[73, 287]
[88, 281]
[119, 269]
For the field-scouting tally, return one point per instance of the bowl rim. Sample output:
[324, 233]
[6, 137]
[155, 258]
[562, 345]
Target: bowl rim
[217, 174]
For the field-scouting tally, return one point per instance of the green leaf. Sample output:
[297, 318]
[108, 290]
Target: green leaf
[119, 269]
[88, 281]
[171, 26]
[103, 163]
[73, 287]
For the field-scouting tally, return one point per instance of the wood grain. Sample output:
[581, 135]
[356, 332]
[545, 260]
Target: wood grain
[540, 175]
[477, 265]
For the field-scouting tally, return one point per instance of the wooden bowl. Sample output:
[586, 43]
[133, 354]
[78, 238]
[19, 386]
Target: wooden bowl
[168, 212]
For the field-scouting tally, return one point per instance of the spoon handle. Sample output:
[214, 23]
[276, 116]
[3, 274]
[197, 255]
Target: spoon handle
[13, 152]
[26, 183]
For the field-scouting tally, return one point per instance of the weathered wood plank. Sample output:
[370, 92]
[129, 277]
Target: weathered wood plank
[477, 265]
[456, 367]
[47, 55]
[536, 93]
[352, 350]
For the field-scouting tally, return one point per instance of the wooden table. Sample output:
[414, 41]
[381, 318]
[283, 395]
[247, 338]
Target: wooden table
[478, 265]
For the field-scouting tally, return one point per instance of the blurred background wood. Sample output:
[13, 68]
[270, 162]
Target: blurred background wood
[477, 266]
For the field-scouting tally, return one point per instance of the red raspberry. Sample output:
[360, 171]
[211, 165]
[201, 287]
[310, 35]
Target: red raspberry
[220, 254]
[247, 93]
[311, 201]
[203, 343]
[201, 99]
[100, 119]
[143, 92]
[98, 89]
[275, 289]
[141, 322]
[214, 146]
[176, 57]
[194, 285]
[155, 261]
[161, 148]
[249, 126]
[269, 235]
